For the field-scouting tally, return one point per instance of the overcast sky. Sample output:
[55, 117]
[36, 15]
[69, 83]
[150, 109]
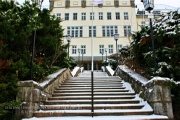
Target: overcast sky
[173, 3]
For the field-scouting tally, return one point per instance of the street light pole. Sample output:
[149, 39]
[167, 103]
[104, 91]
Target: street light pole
[82, 55]
[68, 40]
[33, 45]
[106, 53]
[102, 54]
[149, 5]
[116, 37]
[79, 55]
[152, 39]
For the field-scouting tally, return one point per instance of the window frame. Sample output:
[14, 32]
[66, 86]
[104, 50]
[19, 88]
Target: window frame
[101, 49]
[109, 16]
[74, 49]
[100, 15]
[117, 15]
[58, 15]
[110, 49]
[83, 49]
[109, 31]
[91, 15]
[83, 16]
[126, 16]
[75, 16]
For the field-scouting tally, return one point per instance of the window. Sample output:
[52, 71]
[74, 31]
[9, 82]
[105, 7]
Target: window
[117, 16]
[119, 47]
[116, 3]
[143, 23]
[126, 17]
[83, 3]
[66, 16]
[90, 31]
[100, 5]
[68, 31]
[80, 31]
[74, 16]
[156, 12]
[109, 31]
[100, 15]
[101, 49]
[109, 16]
[110, 47]
[75, 31]
[67, 4]
[58, 15]
[127, 30]
[74, 49]
[83, 16]
[83, 49]
[91, 16]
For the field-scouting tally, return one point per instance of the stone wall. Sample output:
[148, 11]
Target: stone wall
[156, 91]
[33, 94]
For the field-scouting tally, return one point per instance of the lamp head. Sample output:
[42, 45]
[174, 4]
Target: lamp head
[79, 50]
[68, 37]
[148, 4]
[116, 36]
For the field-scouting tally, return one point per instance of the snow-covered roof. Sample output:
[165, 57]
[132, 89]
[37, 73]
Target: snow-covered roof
[157, 7]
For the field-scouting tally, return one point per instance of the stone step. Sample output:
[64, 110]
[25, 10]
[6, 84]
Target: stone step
[88, 106]
[95, 93]
[94, 80]
[88, 112]
[95, 97]
[106, 77]
[79, 88]
[63, 85]
[100, 83]
[96, 90]
[105, 101]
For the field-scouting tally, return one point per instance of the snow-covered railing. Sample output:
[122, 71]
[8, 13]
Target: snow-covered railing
[76, 71]
[109, 70]
[156, 91]
[32, 94]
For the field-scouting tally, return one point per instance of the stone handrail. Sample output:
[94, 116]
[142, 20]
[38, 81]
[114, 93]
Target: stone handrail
[109, 70]
[32, 94]
[156, 91]
[76, 71]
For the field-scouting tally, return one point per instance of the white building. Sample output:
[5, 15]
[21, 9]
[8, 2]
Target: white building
[108, 18]
[159, 9]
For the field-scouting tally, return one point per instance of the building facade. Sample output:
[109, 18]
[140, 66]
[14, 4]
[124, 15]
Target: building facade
[142, 15]
[86, 22]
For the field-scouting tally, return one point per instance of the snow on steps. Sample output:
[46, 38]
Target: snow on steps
[112, 97]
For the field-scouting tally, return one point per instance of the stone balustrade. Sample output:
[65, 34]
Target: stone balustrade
[156, 91]
[32, 94]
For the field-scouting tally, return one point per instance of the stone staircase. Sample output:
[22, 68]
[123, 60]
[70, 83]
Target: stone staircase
[112, 97]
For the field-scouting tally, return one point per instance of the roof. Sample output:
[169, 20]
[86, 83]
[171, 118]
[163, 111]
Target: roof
[158, 7]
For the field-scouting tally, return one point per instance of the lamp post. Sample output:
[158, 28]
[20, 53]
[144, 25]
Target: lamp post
[102, 52]
[68, 40]
[116, 37]
[79, 51]
[82, 52]
[33, 44]
[149, 5]
[106, 53]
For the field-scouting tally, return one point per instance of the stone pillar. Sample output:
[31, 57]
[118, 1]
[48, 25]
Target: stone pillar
[158, 95]
[30, 95]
